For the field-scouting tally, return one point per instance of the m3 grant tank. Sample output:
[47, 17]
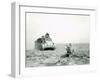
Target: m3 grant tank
[44, 43]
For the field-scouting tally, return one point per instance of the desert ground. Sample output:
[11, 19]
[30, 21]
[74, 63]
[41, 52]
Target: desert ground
[80, 56]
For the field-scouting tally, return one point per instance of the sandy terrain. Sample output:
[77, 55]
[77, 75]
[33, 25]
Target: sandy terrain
[35, 58]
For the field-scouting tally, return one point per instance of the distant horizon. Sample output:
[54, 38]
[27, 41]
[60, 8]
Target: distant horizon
[66, 43]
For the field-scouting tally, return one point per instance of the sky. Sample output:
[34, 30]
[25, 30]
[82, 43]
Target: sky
[62, 28]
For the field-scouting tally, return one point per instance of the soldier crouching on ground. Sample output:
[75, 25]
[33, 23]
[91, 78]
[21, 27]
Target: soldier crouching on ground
[69, 50]
[69, 53]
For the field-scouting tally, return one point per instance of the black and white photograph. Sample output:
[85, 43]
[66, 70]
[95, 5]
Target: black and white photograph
[57, 39]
